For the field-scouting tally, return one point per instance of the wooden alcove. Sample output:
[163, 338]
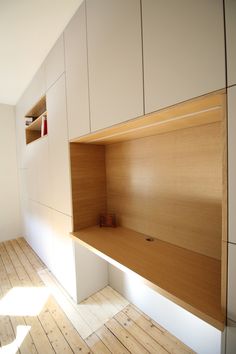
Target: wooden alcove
[38, 112]
[164, 176]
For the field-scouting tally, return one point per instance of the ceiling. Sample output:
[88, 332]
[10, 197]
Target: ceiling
[28, 30]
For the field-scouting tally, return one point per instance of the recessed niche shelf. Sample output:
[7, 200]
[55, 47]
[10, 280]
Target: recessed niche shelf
[164, 176]
[38, 127]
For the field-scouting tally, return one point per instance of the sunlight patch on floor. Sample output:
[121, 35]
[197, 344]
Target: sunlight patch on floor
[21, 333]
[24, 301]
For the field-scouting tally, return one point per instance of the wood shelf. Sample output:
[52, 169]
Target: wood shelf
[189, 279]
[33, 131]
[37, 123]
[199, 111]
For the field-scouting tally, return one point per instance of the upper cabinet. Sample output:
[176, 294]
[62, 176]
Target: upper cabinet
[77, 75]
[58, 147]
[230, 14]
[34, 91]
[183, 49]
[55, 63]
[115, 61]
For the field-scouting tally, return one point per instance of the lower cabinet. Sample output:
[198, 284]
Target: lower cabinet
[63, 259]
[47, 232]
[231, 337]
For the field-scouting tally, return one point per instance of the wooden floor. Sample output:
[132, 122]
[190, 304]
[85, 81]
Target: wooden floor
[31, 321]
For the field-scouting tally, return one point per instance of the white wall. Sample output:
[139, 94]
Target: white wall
[9, 193]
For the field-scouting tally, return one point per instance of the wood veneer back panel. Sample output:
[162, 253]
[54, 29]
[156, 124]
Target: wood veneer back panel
[169, 186]
[88, 184]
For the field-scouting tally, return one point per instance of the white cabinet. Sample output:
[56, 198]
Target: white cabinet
[43, 173]
[63, 266]
[54, 63]
[38, 173]
[77, 75]
[183, 48]
[96, 276]
[35, 90]
[230, 17]
[59, 147]
[39, 225]
[231, 338]
[232, 282]
[232, 162]
[115, 61]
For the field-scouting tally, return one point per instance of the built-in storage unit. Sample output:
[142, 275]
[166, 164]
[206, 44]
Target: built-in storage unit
[38, 127]
[114, 61]
[59, 147]
[183, 50]
[163, 175]
[76, 65]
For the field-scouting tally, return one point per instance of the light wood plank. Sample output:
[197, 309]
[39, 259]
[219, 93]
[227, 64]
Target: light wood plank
[34, 277]
[111, 342]
[125, 337]
[37, 333]
[149, 343]
[53, 332]
[189, 279]
[96, 345]
[88, 184]
[114, 297]
[40, 339]
[31, 255]
[66, 327]
[156, 332]
[81, 321]
[55, 336]
[105, 305]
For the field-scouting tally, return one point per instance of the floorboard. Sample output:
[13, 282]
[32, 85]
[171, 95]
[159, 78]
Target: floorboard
[38, 317]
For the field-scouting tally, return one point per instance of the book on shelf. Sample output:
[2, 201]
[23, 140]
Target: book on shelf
[44, 126]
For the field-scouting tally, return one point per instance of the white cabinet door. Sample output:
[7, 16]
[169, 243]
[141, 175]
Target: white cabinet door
[115, 61]
[43, 172]
[231, 337]
[35, 90]
[232, 282]
[183, 47]
[230, 16]
[39, 236]
[63, 266]
[54, 63]
[232, 162]
[96, 276]
[59, 147]
[77, 75]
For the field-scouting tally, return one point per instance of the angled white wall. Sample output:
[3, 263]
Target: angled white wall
[9, 192]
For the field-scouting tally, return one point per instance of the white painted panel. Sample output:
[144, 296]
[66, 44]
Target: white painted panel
[35, 90]
[43, 172]
[77, 75]
[32, 151]
[91, 272]
[231, 338]
[232, 162]
[115, 61]
[63, 266]
[183, 50]
[39, 224]
[59, 147]
[230, 14]
[197, 334]
[54, 63]
[232, 282]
